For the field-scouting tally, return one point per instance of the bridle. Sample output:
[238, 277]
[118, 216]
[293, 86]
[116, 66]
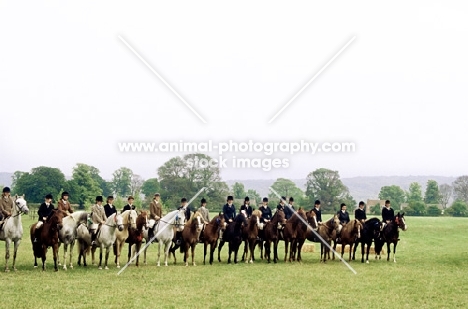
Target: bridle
[20, 208]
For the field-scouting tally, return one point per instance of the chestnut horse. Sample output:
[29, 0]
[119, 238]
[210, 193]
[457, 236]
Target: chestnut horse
[190, 237]
[250, 235]
[294, 232]
[135, 236]
[328, 232]
[211, 235]
[129, 221]
[350, 232]
[271, 231]
[48, 237]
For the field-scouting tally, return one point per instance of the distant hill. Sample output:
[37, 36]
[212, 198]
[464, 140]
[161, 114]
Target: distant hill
[5, 179]
[361, 188]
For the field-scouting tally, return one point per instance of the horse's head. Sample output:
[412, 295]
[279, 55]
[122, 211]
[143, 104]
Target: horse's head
[21, 205]
[281, 218]
[221, 222]
[132, 217]
[56, 219]
[179, 220]
[118, 221]
[142, 220]
[312, 219]
[358, 227]
[198, 221]
[400, 221]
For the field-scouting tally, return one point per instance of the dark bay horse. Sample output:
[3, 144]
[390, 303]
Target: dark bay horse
[249, 235]
[47, 237]
[328, 232]
[135, 236]
[350, 233]
[390, 234]
[370, 232]
[291, 229]
[301, 235]
[233, 235]
[271, 234]
[211, 235]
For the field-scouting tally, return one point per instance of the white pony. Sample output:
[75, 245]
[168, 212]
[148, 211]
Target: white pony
[67, 234]
[105, 238]
[164, 231]
[129, 221]
[13, 229]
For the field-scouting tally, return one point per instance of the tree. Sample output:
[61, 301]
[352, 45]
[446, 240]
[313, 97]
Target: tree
[458, 209]
[239, 190]
[254, 195]
[325, 185]
[376, 209]
[182, 177]
[136, 182]
[84, 187]
[460, 188]
[14, 179]
[445, 191]
[104, 185]
[121, 181]
[394, 193]
[150, 187]
[433, 211]
[416, 208]
[415, 193]
[41, 181]
[287, 188]
[432, 195]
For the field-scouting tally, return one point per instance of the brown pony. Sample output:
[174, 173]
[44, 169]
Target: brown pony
[300, 237]
[290, 233]
[327, 232]
[135, 236]
[250, 234]
[190, 236]
[271, 231]
[349, 233]
[47, 237]
[211, 235]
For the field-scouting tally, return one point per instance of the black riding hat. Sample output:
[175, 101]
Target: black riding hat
[6, 190]
[49, 196]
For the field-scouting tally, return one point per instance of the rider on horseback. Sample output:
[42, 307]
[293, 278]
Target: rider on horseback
[44, 212]
[387, 214]
[360, 213]
[248, 209]
[343, 216]
[186, 208]
[64, 204]
[98, 217]
[6, 204]
[155, 214]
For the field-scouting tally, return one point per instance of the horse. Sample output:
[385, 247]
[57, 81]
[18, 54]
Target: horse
[271, 231]
[67, 234]
[135, 236]
[211, 235]
[390, 234]
[295, 233]
[105, 239]
[233, 235]
[164, 231]
[327, 231]
[12, 230]
[129, 221]
[250, 236]
[370, 232]
[190, 236]
[48, 237]
[290, 231]
[350, 232]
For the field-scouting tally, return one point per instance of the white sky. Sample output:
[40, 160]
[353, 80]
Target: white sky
[70, 90]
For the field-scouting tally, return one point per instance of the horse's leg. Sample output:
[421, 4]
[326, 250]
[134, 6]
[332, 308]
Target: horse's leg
[275, 248]
[286, 249]
[244, 254]
[107, 257]
[212, 250]
[7, 253]
[186, 253]
[56, 253]
[166, 253]
[205, 244]
[16, 245]
[72, 245]
[44, 256]
[388, 251]
[65, 249]
[252, 250]
[230, 251]
[394, 251]
[100, 257]
[137, 251]
[221, 244]
[120, 245]
[193, 254]
[159, 253]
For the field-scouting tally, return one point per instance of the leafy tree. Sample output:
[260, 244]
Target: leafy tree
[433, 211]
[376, 209]
[121, 181]
[432, 195]
[415, 193]
[84, 186]
[458, 209]
[325, 185]
[394, 193]
[150, 187]
[349, 201]
[41, 181]
[14, 179]
[416, 208]
[445, 191]
[460, 188]
[136, 182]
[239, 190]
[287, 188]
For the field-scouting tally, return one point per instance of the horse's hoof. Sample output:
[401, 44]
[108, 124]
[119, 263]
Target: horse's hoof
[186, 264]
[64, 267]
[194, 264]
[99, 267]
[59, 264]
[15, 269]
[165, 264]
[35, 266]
[7, 270]
[71, 266]
[158, 265]
[251, 262]
[56, 269]
[106, 268]
[118, 266]
[367, 262]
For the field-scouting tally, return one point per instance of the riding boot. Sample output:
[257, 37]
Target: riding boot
[178, 238]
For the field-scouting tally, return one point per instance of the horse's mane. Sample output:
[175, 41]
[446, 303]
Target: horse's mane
[193, 216]
[141, 220]
[257, 213]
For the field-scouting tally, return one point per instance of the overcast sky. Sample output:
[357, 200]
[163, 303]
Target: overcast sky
[70, 89]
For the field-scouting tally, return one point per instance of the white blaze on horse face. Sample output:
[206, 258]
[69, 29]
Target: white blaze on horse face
[200, 224]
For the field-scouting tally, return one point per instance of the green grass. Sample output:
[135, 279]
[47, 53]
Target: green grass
[430, 272]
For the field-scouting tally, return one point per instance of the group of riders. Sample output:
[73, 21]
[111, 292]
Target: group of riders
[100, 213]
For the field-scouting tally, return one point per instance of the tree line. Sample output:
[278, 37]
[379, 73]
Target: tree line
[178, 178]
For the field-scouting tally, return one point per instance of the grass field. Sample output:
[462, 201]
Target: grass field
[431, 272]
